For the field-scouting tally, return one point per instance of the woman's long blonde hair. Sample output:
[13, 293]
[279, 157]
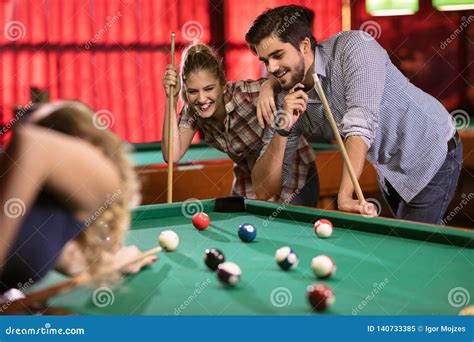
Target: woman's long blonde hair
[105, 232]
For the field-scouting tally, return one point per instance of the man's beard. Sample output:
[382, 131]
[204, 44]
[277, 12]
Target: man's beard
[297, 75]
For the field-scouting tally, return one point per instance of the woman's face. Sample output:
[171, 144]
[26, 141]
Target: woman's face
[203, 92]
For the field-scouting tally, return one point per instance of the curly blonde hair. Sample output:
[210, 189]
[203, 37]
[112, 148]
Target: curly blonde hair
[106, 230]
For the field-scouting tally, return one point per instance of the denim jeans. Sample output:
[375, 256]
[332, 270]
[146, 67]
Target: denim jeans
[431, 203]
[309, 195]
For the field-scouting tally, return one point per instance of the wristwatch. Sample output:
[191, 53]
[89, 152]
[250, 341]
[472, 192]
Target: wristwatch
[283, 132]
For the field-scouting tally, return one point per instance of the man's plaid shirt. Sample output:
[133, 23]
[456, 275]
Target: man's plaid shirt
[242, 139]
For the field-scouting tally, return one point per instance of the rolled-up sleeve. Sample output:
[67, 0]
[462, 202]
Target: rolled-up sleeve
[364, 71]
[290, 149]
[186, 119]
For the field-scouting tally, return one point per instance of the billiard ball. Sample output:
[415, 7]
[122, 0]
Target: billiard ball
[213, 257]
[168, 240]
[286, 258]
[228, 273]
[323, 266]
[247, 232]
[201, 221]
[320, 297]
[323, 228]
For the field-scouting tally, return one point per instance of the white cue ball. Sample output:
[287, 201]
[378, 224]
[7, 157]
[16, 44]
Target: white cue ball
[323, 228]
[323, 266]
[168, 240]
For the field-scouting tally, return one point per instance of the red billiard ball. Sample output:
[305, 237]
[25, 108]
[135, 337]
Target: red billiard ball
[323, 228]
[201, 221]
[320, 297]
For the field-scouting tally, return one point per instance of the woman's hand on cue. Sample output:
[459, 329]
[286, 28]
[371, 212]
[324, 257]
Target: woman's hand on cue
[171, 79]
[353, 206]
[129, 252]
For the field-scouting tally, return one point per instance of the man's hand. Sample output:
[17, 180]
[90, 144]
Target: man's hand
[351, 205]
[294, 104]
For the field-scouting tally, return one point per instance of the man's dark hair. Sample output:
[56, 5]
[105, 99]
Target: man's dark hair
[291, 24]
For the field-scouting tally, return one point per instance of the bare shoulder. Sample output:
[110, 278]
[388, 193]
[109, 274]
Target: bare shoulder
[76, 170]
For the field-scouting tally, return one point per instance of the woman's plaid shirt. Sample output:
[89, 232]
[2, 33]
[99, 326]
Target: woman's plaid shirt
[242, 139]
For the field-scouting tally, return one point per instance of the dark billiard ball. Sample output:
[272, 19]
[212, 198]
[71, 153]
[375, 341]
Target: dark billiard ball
[247, 232]
[320, 297]
[213, 257]
[286, 258]
[228, 273]
[201, 221]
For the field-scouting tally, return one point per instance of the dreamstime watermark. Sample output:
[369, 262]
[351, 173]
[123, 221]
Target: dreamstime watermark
[192, 31]
[46, 330]
[464, 24]
[107, 204]
[103, 119]
[282, 119]
[465, 200]
[191, 298]
[8, 297]
[14, 208]
[110, 21]
[458, 296]
[14, 30]
[281, 207]
[461, 119]
[378, 287]
[188, 124]
[191, 206]
[18, 115]
[103, 296]
[366, 208]
[372, 28]
[287, 22]
[280, 297]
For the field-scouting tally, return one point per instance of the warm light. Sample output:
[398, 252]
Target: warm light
[453, 5]
[391, 7]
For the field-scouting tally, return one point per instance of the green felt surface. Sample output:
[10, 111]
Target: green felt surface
[150, 153]
[384, 267]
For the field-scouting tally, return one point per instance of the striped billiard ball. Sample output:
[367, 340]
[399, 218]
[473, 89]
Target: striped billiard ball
[286, 258]
[228, 273]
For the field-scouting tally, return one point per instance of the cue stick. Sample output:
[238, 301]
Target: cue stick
[339, 141]
[75, 282]
[170, 130]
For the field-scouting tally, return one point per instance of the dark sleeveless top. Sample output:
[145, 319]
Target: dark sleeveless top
[46, 228]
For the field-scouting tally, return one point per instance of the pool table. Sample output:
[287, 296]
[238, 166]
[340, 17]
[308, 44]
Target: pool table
[205, 172]
[384, 266]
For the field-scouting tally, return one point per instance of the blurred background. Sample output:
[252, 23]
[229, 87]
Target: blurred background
[111, 54]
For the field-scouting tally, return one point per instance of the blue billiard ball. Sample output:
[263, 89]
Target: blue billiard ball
[247, 232]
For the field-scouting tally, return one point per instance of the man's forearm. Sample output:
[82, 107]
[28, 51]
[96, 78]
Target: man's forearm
[267, 172]
[357, 151]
